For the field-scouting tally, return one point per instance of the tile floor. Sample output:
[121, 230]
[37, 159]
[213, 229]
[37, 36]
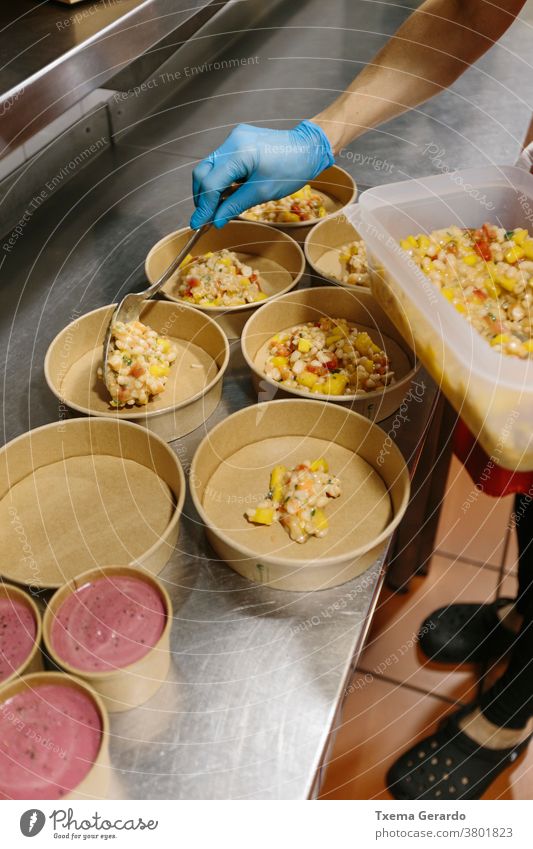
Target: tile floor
[396, 696]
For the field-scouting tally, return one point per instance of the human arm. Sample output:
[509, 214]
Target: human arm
[436, 44]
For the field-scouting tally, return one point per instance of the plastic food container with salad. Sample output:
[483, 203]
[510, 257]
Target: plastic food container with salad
[490, 386]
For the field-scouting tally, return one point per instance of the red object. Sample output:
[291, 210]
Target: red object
[484, 471]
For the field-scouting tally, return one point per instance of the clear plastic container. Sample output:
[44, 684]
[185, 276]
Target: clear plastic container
[492, 392]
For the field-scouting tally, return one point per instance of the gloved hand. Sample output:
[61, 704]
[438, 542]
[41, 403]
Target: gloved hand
[274, 163]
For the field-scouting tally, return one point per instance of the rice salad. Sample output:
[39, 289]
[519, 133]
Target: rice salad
[487, 275]
[329, 356]
[296, 498]
[303, 205]
[139, 363]
[218, 280]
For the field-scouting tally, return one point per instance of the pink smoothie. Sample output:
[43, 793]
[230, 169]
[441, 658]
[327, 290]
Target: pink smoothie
[49, 739]
[108, 624]
[17, 634]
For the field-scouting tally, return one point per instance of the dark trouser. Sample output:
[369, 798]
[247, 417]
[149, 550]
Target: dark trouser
[509, 703]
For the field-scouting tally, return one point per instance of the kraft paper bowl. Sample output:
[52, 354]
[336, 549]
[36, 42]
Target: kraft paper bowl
[81, 493]
[33, 662]
[195, 381]
[231, 469]
[322, 248]
[278, 259]
[338, 189]
[356, 306]
[95, 783]
[128, 686]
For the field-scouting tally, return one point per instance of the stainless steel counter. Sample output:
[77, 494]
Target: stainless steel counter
[257, 675]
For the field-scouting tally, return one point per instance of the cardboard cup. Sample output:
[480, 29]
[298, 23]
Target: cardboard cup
[322, 248]
[95, 784]
[34, 660]
[195, 381]
[125, 687]
[230, 472]
[80, 493]
[277, 258]
[338, 189]
[355, 305]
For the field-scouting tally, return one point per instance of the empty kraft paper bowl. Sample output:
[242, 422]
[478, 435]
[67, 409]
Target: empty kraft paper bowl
[355, 305]
[194, 385]
[274, 255]
[54, 734]
[80, 493]
[230, 473]
[111, 628]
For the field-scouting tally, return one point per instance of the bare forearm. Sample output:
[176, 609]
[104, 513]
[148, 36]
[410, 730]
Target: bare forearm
[434, 46]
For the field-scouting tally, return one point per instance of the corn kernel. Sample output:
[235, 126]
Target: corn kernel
[471, 259]
[164, 344]
[448, 293]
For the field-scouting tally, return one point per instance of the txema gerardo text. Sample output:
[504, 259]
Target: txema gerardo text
[419, 815]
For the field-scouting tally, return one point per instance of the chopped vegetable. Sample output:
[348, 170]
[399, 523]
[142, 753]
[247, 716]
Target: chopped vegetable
[303, 205]
[296, 499]
[219, 280]
[330, 356]
[487, 275]
[138, 363]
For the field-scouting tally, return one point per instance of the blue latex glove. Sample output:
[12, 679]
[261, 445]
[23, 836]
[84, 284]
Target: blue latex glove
[274, 163]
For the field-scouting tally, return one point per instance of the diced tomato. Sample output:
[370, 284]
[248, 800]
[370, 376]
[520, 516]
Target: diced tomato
[193, 282]
[481, 294]
[320, 370]
[488, 233]
[137, 370]
[332, 363]
[482, 248]
[295, 207]
[451, 248]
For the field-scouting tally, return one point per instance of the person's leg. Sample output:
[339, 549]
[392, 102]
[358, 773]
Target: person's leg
[475, 745]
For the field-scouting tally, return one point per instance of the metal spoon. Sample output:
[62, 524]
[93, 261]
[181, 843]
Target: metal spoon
[129, 309]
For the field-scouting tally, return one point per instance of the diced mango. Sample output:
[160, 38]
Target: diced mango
[321, 211]
[460, 307]
[500, 339]
[519, 236]
[159, 370]
[263, 515]
[448, 293]
[529, 345]
[164, 344]
[186, 260]
[506, 282]
[280, 362]
[527, 247]
[260, 296]
[335, 384]
[319, 520]
[289, 216]
[276, 483]
[409, 243]
[304, 346]
[320, 465]
[514, 255]
[307, 378]
[423, 242]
